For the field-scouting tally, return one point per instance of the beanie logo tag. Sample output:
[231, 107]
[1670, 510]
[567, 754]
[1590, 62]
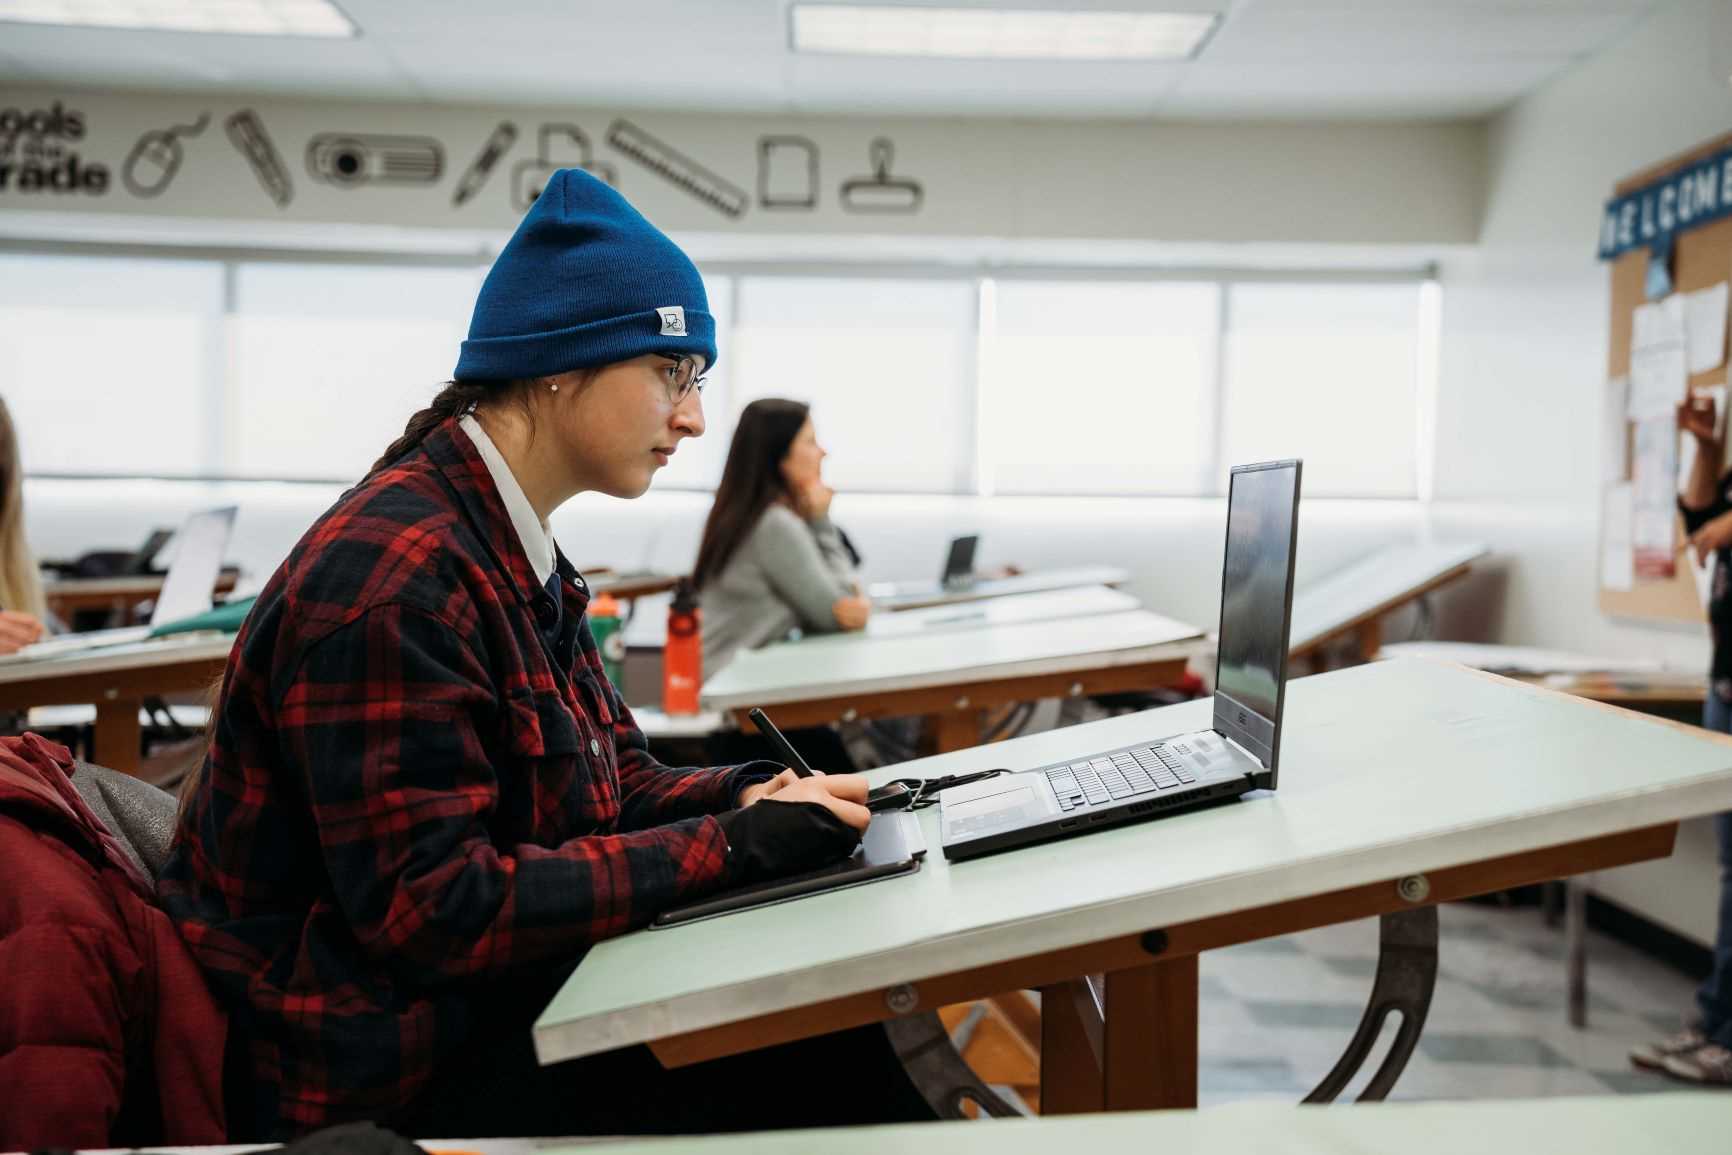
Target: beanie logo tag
[673, 320]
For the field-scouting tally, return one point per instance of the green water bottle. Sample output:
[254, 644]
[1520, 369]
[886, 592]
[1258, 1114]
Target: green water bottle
[604, 623]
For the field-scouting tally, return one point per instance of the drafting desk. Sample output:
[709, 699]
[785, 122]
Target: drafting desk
[1013, 609]
[628, 587]
[951, 677]
[1638, 684]
[116, 680]
[1598, 1125]
[67, 596]
[1354, 600]
[914, 595]
[1403, 784]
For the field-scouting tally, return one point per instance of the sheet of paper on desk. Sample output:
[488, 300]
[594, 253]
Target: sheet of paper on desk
[1658, 370]
[1705, 327]
[1617, 557]
[1614, 425]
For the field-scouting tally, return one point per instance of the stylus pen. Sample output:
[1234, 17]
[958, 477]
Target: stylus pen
[790, 756]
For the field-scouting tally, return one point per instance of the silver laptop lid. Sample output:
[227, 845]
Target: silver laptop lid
[198, 559]
[1257, 608]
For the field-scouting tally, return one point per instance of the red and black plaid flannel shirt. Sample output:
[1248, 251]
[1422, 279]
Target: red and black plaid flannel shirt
[412, 797]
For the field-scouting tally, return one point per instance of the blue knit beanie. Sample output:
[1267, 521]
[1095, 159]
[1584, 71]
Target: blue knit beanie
[584, 281]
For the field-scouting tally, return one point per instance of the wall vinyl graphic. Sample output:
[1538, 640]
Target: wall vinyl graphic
[497, 144]
[529, 177]
[881, 192]
[787, 173]
[350, 160]
[247, 133]
[155, 157]
[678, 169]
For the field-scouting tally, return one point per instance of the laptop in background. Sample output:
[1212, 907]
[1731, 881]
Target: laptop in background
[186, 588]
[959, 563]
[1151, 779]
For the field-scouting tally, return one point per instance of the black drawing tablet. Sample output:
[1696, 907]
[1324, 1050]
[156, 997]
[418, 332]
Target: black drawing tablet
[893, 845]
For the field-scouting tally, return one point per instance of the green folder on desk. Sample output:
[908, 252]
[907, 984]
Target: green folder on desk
[227, 618]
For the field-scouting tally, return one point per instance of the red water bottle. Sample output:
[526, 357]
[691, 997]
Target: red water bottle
[683, 660]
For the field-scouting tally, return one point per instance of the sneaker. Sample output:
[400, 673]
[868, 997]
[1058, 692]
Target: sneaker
[1709, 1065]
[1653, 1056]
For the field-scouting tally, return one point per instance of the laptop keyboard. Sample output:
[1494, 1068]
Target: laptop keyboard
[1144, 770]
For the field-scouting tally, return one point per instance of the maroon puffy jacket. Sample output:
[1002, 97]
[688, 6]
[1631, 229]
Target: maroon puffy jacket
[108, 1034]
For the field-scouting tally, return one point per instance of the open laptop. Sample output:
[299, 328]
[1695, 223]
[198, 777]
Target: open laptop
[959, 563]
[186, 587]
[1182, 771]
[958, 575]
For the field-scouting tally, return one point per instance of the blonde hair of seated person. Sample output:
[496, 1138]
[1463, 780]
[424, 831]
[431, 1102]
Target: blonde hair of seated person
[20, 584]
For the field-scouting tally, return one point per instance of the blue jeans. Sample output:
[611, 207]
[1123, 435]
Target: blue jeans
[1714, 997]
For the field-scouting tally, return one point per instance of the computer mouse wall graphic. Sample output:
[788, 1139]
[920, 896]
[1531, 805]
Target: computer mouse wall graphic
[156, 156]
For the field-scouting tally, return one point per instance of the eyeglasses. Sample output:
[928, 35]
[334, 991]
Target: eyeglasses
[681, 377]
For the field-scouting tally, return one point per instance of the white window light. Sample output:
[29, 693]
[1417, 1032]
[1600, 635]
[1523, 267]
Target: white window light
[1001, 34]
[239, 17]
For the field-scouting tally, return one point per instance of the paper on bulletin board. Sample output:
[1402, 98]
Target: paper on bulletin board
[1617, 556]
[1705, 328]
[1615, 452]
[1657, 359]
[1654, 478]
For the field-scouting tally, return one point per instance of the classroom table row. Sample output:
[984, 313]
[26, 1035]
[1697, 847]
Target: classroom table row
[912, 662]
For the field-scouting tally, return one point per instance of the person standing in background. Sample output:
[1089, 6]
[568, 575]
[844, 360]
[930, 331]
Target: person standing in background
[1702, 1052]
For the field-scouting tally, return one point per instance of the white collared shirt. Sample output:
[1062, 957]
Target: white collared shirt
[537, 539]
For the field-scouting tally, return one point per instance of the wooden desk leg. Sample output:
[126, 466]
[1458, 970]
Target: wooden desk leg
[957, 730]
[1368, 639]
[116, 740]
[1133, 1049]
[1149, 1051]
[1070, 1039]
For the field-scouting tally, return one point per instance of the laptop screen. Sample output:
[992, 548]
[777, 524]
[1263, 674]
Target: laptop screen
[1256, 605]
[959, 562]
[198, 559]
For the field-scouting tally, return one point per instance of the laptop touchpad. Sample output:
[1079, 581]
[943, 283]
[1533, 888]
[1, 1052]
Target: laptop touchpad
[1016, 804]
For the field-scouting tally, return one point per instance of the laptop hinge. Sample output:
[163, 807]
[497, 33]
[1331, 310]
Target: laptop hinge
[1259, 779]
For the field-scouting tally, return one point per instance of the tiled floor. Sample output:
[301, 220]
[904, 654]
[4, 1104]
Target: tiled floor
[1276, 1014]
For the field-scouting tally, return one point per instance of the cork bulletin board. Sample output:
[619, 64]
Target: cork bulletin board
[1700, 258]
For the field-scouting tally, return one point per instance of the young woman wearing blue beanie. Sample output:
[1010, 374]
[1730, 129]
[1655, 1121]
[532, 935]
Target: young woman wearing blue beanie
[423, 801]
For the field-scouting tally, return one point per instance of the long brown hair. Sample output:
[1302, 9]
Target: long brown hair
[751, 480]
[20, 584]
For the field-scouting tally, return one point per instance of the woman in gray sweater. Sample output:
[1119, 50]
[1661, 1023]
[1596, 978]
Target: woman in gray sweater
[771, 561]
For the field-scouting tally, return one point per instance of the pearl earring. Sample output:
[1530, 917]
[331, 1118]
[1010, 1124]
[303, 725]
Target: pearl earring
[554, 387]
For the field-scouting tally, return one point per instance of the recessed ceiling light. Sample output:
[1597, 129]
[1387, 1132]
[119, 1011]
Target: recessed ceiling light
[999, 33]
[240, 17]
